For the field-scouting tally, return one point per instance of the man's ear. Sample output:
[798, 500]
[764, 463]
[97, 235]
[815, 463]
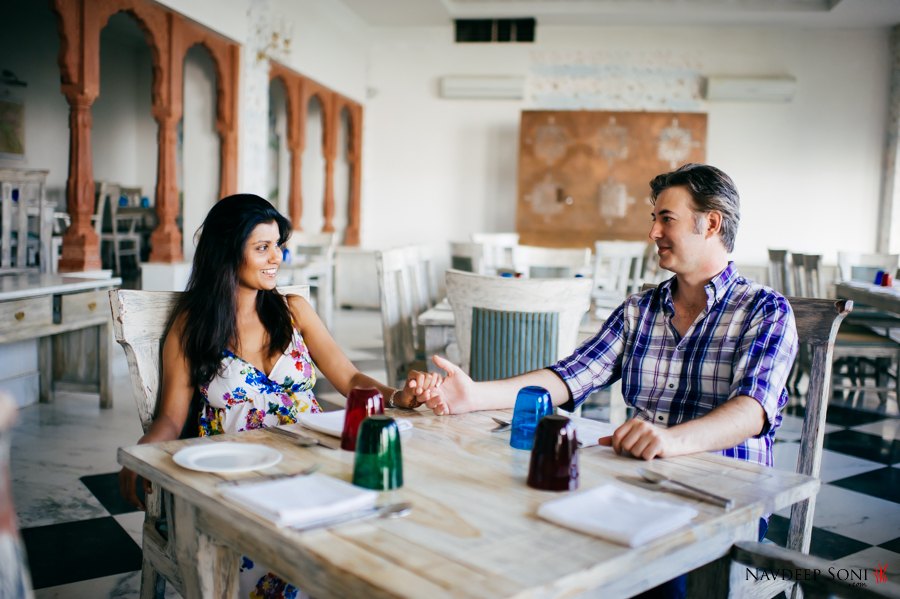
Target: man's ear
[713, 222]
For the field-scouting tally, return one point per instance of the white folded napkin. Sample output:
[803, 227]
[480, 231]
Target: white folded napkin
[301, 499]
[332, 423]
[617, 515]
[589, 431]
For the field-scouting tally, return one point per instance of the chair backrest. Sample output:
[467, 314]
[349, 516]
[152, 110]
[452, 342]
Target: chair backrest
[398, 315]
[778, 271]
[107, 195]
[420, 262]
[798, 275]
[14, 578]
[547, 263]
[467, 256]
[619, 267]
[817, 322]
[139, 325]
[812, 279]
[853, 266]
[498, 249]
[569, 298]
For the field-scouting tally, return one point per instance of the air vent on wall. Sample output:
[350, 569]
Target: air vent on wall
[750, 89]
[472, 87]
[495, 30]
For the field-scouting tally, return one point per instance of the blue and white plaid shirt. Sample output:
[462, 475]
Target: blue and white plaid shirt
[743, 343]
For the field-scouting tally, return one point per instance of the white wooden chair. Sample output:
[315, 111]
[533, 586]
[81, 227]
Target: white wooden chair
[23, 194]
[312, 263]
[779, 278]
[139, 324]
[468, 256]
[550, 263]
[498, 249]
[512, 301]
[398, 312]
[818, 321]
[618, 272]
[119, 230]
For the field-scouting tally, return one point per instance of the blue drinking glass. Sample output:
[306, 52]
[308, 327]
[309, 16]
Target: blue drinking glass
[532, 404]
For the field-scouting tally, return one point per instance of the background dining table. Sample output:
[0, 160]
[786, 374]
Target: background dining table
[473, 530]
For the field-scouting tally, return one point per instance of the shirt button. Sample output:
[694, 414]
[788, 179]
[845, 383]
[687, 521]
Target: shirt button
[660, 418]
[671, 385]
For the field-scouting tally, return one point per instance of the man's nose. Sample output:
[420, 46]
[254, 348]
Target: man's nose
[655, 231]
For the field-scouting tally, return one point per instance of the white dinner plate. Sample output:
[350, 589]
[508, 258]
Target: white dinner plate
[227, 457]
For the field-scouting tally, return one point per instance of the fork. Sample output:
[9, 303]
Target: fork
[300, 438]
[267, 477]
[502, 425]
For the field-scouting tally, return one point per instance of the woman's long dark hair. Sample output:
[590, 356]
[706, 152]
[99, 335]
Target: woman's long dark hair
[208, 305]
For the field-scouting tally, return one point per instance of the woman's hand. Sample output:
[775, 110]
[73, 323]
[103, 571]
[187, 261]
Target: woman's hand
[419, 388]
[128, 488]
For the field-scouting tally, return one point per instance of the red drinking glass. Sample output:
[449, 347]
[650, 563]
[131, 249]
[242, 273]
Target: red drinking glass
[361, 403]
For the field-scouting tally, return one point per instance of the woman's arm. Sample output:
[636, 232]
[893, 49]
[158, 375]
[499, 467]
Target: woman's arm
[174, 403]
[338, 369]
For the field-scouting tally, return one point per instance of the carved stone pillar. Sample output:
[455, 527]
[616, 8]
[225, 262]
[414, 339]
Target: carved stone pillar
[166, 239]
[81, 246]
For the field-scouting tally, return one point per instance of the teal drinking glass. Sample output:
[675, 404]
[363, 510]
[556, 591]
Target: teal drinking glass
[378, 463]
[532, 404]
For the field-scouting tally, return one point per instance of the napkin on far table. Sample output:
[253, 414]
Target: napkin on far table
[617, 515]
[332, 423]
[301, 499]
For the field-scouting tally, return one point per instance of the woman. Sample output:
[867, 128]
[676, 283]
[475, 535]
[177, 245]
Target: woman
[249, 351]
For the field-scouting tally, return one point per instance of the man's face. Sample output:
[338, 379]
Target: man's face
[678, 231]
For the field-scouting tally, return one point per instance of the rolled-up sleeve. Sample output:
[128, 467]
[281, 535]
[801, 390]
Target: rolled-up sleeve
[596, 363]
[765, 356]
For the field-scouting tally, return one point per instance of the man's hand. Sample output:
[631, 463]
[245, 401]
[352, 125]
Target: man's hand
[454, 396]
[641, 440]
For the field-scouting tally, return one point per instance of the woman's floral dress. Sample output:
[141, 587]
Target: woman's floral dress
[242, 397]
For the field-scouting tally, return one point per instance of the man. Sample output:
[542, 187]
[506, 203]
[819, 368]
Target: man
[703, 358]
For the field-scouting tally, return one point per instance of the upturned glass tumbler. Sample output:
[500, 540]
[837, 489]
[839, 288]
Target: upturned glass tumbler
[532, 404]
[361, 403]
[554, 457]
[378, 463]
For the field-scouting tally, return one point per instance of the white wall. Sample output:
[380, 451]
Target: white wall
[123, 139]
[808, 171]
[30, 51]
[201, 153]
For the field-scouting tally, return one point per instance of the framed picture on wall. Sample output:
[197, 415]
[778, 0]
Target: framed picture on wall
[12, 123]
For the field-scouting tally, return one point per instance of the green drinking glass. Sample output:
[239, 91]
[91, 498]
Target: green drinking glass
[378, 463]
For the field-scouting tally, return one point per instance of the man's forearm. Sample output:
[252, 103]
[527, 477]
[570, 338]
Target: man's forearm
[728, 425]
[497, 395]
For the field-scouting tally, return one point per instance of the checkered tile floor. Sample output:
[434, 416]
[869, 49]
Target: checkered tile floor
[82, 540]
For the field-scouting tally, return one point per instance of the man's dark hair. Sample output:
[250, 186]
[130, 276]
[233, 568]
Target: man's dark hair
[711, 190]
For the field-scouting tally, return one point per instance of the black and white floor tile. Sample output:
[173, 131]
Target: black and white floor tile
[82, 540]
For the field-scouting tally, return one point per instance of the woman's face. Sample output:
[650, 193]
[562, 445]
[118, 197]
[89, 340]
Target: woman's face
[262, 256]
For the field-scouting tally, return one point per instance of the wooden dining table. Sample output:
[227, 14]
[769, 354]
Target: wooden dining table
[869, 294]
[473, 530]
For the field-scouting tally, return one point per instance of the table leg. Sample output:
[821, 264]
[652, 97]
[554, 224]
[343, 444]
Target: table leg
[45, 366]
[104, 376]
[721, 577]
[208, 569]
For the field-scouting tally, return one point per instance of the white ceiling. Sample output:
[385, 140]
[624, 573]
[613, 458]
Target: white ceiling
[804, 13]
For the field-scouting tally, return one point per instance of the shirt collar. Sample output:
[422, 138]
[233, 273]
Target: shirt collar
[715, 289]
